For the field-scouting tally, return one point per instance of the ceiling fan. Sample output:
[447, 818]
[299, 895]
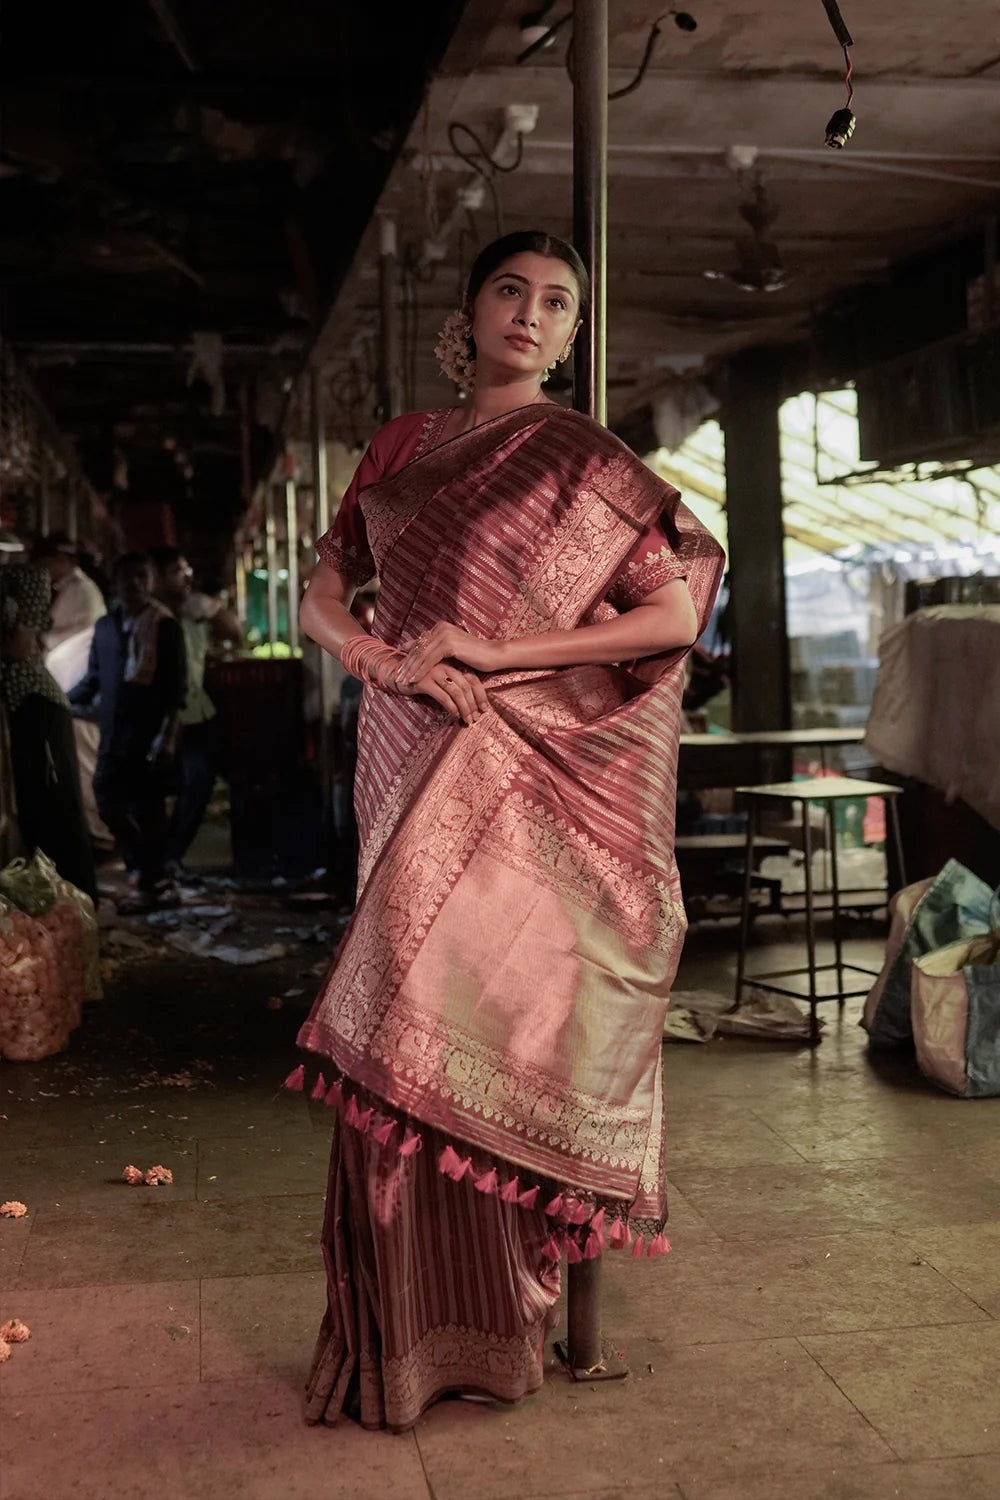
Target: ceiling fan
[759, 267]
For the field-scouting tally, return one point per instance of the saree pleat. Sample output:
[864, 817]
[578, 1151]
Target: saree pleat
[433, 1287]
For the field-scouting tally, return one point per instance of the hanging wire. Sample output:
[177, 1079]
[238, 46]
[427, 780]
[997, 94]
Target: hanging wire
[483, 163]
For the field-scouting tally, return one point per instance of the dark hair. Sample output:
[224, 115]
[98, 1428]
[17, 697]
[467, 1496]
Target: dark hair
[163, 558]
[130, 562]
[532, 241]
[55, 544]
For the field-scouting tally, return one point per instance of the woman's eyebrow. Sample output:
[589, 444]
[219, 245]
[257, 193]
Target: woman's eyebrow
[552, 286]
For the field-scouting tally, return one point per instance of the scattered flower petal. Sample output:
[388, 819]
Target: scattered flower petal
[13, 1209]
[4, 1352]
[15, 1332]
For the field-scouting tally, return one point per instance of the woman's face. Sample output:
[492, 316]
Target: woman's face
[524, 316]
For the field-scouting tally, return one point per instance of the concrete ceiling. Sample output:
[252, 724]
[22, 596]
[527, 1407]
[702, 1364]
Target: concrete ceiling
[923, 166]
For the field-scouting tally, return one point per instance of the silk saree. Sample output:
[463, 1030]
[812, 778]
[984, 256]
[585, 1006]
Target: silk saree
[489, 1036]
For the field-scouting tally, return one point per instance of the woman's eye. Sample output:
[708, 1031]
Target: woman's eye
[508, 289]
[558, 302]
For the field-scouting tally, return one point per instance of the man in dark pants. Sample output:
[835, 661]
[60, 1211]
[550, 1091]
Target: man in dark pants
[205, 624]
[42, 749]
[136, 680]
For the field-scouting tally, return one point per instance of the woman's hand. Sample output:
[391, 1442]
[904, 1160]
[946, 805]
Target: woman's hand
[459, 693]
[445, 642]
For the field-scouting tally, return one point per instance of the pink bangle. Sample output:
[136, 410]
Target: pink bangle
[372, 661]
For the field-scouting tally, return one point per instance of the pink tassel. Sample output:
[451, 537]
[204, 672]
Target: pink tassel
[597, 1222]
[581, 1213]
[573, 1252]
[382, 1134]
[618, 1234]
[509, 1194]
[659, 1246]
[596, 1242]
[364, 1120]
[334, 1095]
[412, 1145]
[488, 1183]
[554, 1207]
[319, 1088]
[450, 1164]
[637, 1247]
[552, 1250]
[528, 1198]
[296, 1080]
[351, 1113]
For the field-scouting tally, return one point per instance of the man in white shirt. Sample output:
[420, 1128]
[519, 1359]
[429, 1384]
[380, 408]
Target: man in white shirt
[77, 605]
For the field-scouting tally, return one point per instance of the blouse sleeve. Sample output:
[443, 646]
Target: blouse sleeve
[345, 546]
[651, 563]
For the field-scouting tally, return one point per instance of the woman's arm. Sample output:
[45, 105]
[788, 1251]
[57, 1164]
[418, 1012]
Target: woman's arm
[664, 621]
[326, 618]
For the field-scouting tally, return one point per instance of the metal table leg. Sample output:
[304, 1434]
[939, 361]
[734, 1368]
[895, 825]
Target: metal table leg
[814, 1032]
[745, 910]
[838, 945]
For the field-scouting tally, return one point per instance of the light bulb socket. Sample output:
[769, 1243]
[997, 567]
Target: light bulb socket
[840, 128]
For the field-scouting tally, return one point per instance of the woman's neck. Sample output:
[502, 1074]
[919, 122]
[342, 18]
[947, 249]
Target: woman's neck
[488, 401]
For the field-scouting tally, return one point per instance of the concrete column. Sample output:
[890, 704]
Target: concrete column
[757, 612]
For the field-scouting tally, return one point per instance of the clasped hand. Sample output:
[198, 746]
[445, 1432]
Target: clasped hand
[435, 667]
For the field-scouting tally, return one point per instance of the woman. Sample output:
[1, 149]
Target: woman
[489, 1037]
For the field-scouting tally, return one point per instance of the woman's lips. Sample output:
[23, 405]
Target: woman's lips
[520, 342]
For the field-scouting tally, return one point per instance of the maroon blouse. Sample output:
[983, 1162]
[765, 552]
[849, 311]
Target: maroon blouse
[649, 565]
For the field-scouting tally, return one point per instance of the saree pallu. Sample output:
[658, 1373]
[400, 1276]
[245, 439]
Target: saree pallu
[495, 1014]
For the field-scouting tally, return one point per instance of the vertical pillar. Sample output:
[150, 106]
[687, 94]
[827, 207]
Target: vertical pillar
[327, 682]
[271, 553]
[292, 531]
[590, 227]
[590, 197]
[758, 619]
[392, 367]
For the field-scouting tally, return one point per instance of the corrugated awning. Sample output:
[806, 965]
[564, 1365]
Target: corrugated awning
[819, 436]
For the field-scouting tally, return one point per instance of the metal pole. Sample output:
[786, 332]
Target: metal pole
[590, 197]
[242, 566]
[392, 383]
[327, 681]
[271, 553]
[584, 1344]
[292, 530]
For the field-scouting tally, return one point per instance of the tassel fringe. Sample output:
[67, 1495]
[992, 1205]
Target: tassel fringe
[412, 1145]
[384, 1131]
[555, 1206]
[488, 1183]
[529, 1198]
[659, 1246]
[511, 1192]
[296, 1080]
[552, 1250]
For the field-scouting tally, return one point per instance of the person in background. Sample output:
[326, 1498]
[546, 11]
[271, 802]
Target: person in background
[77, 605]
[135, 680]
[43, 761]
[77, 602]
[206, 624]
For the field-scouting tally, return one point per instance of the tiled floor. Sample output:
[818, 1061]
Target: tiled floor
[826, 1328]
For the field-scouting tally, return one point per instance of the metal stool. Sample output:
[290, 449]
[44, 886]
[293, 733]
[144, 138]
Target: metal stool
[828, 790]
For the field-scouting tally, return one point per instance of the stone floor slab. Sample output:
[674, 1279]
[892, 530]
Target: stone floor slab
[95, 1338]
[721, 1291]
[89, 1172]
[230, 1168]
[969, 1256]
[254, 1325]
[196, 1442]
[941, 1479]
[754, 1201]
[714, 1410]
[163, 1241]
[930, 1392]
